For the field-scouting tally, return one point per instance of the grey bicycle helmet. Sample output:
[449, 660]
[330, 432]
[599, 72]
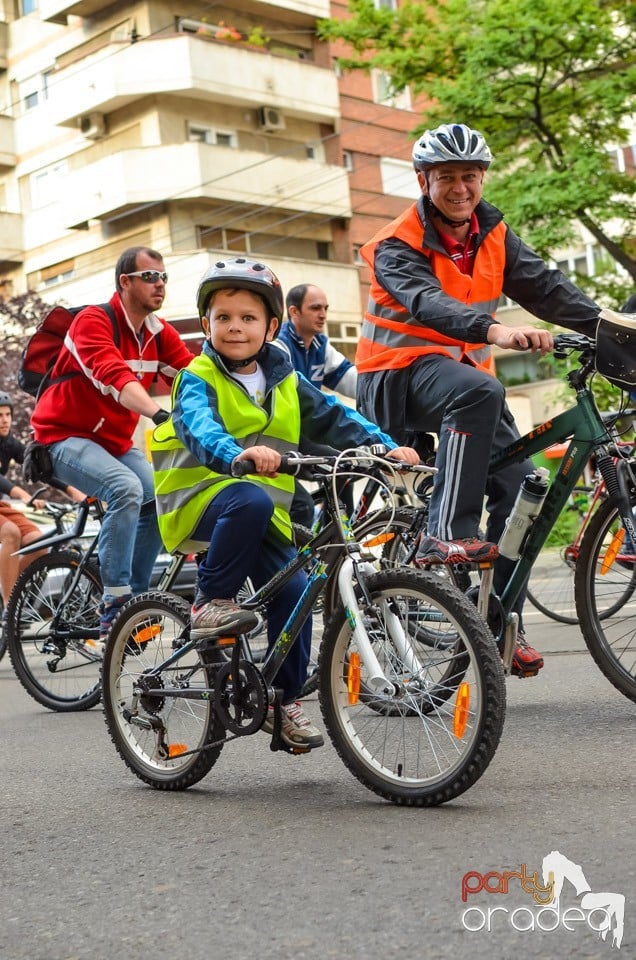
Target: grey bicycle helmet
[6, 400]
[451, 143]
[243, 274]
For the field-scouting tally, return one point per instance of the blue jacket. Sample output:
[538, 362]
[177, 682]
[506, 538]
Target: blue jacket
[321, 363]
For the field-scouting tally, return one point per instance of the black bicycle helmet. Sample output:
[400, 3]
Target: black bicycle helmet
[451, 143]
[6, 400]
[243, 274]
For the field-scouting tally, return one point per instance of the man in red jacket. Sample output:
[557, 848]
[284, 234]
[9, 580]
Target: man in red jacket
[88, 414]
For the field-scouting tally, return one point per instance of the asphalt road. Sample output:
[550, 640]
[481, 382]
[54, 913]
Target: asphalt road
[279, 857]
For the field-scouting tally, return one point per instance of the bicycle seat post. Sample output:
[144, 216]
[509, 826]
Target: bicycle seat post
[510, 640]
[487, 573]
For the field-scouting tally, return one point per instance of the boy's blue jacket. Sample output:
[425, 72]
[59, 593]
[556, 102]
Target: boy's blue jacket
[323, 419]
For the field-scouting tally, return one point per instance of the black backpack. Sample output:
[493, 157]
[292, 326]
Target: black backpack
[43, 348]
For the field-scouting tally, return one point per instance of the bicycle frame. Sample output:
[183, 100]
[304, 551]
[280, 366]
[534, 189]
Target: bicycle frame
[588, 434]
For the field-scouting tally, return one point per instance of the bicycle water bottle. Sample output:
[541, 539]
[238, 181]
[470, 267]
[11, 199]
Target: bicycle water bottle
[529, 500]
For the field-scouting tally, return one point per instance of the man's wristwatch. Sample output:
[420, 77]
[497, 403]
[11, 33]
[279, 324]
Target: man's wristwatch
[160, 416]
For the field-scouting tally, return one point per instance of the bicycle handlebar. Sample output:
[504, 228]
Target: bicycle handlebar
[293, 464]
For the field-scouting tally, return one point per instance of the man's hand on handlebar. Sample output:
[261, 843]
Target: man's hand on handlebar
[520, 338]
[404, 455]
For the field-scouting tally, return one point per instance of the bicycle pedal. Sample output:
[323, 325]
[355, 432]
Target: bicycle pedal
[524, 674]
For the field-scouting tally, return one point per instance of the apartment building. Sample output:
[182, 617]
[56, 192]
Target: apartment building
[199, 129]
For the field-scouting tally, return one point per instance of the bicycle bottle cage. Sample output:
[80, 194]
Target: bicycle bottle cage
[616, 348]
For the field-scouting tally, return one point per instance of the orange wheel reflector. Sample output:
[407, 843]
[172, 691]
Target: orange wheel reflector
[462, 705]
[176, 749]
[612, 551]
[353, 678]
[379, 540]
[147, 633]
[226, 641]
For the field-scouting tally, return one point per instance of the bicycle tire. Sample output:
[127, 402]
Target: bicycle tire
[416, 758]
[188, 724]
[604, 591]
[3, 631]
[60, 674]
[551, 586]
[396, 524]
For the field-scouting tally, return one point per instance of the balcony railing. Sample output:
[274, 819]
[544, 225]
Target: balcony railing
[56, 11]
[200, 69]
[11, 239]
[7, 142]
[139, 177]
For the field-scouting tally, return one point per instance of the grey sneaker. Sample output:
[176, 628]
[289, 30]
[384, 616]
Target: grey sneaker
[296, 727]
[220, 618]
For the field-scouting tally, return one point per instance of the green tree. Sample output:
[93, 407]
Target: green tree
[551, 85]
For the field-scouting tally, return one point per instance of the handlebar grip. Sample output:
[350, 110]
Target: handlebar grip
[288, 464]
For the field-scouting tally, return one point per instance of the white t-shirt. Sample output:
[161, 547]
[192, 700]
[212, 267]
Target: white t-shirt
[254, 383]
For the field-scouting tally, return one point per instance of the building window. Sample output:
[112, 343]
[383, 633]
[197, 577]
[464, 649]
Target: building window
[29, 6]
[48, 185]
[31, 100]
[384, 93]
[357, 256]
[322, 250]
[218, 238]
[310, 152]
[398, 178]
[219, 138]
[58, 273]
[347, 160]
[385, 4]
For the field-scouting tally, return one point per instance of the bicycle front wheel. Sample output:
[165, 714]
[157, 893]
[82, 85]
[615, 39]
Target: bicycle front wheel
[440, 728]
[605, 592]
[162, 737]
[47, 630]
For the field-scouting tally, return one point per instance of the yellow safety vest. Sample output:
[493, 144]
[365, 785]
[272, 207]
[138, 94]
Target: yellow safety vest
[184, 487]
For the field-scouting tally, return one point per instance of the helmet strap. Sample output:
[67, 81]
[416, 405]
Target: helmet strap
[436, 212]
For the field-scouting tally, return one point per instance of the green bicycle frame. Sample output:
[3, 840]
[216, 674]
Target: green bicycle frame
[584, 425]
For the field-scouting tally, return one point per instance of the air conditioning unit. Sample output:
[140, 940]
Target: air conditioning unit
[269, 118]
[92, 126]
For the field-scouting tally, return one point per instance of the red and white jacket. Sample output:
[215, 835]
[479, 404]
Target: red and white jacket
[86, 403]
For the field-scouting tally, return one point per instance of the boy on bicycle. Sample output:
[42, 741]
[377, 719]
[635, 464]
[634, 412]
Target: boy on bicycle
[242, 400]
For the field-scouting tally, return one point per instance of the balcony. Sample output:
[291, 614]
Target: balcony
[135, 178]
[200, 68]
[185, 271]
[56, 11]
[11, 241]
[7, 142]
[4, 43]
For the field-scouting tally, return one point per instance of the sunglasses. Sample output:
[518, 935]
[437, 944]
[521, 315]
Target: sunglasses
[149, 276]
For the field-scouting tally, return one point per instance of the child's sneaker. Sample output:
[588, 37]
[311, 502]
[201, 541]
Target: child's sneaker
[220, 618]
[296, 727]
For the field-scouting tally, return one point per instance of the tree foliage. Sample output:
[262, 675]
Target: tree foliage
[19, 317]
[551, 85]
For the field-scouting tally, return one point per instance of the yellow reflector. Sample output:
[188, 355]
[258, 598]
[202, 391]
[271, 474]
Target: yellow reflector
[353, 678]
[462, 704]
[379, 540]
[146, 633]
[613, 550]
[176, 749]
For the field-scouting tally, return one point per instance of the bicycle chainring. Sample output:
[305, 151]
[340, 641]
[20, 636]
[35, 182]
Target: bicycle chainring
[241, 707]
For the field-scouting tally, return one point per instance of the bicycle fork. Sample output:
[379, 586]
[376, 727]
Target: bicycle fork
[376, 678]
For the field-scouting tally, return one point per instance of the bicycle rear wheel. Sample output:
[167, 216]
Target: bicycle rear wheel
[162, 739]
[605, 591]
[47, 637]
[441, 727]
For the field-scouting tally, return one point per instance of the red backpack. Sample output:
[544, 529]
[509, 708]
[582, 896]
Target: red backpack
[43, 348]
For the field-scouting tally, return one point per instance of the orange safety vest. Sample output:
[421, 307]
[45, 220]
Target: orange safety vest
[390, 339]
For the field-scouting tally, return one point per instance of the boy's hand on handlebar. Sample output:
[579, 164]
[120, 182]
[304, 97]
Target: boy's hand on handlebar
[404, 454]
[265, 459]
[520, 338]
